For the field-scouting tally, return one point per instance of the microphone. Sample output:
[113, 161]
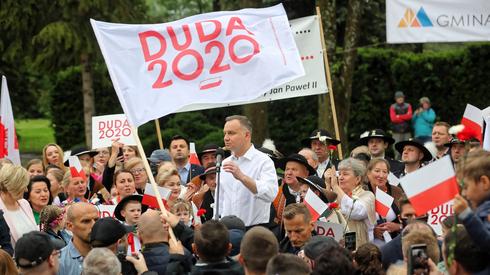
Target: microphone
[220, 153]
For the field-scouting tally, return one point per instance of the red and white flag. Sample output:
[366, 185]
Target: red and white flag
[9, 146]
[193, 158]
[76, 169]
[431, 185]
[150, 199]
[314, 204]
[473, 120]
[383, 202]
[220, 57]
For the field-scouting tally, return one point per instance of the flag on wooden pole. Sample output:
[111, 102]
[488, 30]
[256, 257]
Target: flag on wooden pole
[9, 147]
[150, 199]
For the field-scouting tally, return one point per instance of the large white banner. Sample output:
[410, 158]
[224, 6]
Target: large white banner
[219, 57]
[306, 31]
[409, 21]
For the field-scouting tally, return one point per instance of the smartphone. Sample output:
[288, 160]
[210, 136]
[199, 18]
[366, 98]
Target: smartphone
[120, 154]
[350, 241]
[418, 260]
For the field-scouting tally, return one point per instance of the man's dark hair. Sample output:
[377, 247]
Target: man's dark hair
[334, 260]
[404, 201]
[177, 137]
[212, 241]
[287, 264]
[258, 246]
[467, 253]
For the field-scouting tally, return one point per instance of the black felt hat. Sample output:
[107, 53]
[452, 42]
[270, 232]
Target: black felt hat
[417, 143]
[375, 133]
[124, 201]
[320, 134]
[318, 184]
[299, 159]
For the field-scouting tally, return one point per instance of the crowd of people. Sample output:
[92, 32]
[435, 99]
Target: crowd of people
[244, 213]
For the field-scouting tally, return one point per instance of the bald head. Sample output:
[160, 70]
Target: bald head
[77, 209]
[151, 229]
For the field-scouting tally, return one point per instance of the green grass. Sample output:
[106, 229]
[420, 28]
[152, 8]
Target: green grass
[33, 134]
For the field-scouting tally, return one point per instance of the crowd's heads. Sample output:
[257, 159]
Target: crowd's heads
[258, 246]
[74, 187]
[212, 242]
[351, 173]
[319, 141]
[37, 251]
[440, 134]
[209, 175]
[39, 192]
[310, 156]
[80, 218]
[475, 174]
[377, 171]
[236, 229]
[298, 224]
[368, 259]
[51, 217]
[413, 151]
[170, 179]
[13, 180]
[334, 260]
[159, 155]
[469, 257]
[208, 154]
[129, 209]
[106, 232]
[179, 149]
[101, 261]
[124, 183]
[317, 185]
[53, 154]
[136, 167]
[408, 214]
[295, 165]
[287, 264]
[316, 245]
[55, 176]
[7, 264]
[129, 152]
[183, 209]
[421, 237]
[457, 149]
[399, 97]
[35, 167]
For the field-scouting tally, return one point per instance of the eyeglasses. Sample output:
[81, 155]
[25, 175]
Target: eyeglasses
[137, 170]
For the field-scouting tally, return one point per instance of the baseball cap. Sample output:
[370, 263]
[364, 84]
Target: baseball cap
[35, 247]
[233, 222]
[107, 231]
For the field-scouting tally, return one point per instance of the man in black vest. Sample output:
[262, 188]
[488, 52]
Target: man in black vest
[400, 116]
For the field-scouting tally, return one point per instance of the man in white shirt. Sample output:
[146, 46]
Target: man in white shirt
[248, 181]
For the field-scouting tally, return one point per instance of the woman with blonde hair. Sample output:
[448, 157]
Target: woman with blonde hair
[136, 167]
[7, 264]
[53, 154]
[55, 176]
[75, 188]
[17, 211]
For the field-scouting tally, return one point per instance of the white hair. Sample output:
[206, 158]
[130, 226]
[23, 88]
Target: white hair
[101, 260]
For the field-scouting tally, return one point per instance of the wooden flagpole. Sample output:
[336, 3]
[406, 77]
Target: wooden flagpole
[159, 133]
[329, 82]
[151, 178]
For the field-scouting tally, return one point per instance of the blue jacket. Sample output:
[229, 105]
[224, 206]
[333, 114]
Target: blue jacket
[478, 224]
[422, 123]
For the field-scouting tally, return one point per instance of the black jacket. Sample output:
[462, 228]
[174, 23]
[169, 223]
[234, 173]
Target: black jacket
[196, 170]
[229, 267]
[5, 236]
[285, 245]
[157, 257]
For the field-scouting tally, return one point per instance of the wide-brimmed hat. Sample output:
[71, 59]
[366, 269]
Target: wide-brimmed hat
[454, 140]
[375, 133]
[299, 159]
[124, 201]
[208, 148]
[78, 151]
[211, 169]
[318, 184]
[417, 143]
[320, 134]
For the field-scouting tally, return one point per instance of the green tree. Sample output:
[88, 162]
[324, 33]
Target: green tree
[69, 40]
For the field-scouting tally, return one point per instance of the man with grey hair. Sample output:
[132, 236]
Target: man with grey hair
[311, 157]
[101, 260]
[248, 181]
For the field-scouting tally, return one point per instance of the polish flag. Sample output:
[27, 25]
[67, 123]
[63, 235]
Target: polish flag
[76, 169]
[193, 159]
[393, 180]
[150, 199]
[486, 138]
[431, 185]
[9, 147]
[383, 202]
[314, 204]
[473, 120]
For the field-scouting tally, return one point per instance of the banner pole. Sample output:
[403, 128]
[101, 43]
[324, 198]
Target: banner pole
[329, 82]
[159, 133]
[151, 178]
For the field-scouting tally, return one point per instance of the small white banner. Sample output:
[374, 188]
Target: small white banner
[329, 229]
[409, 21]
[106, 210]
[106, 129]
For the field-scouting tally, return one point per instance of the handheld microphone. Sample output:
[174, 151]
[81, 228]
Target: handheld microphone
[219, 157]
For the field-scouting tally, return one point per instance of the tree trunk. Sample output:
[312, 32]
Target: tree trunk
[258, 113]
[342, 80]
[88, 97]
